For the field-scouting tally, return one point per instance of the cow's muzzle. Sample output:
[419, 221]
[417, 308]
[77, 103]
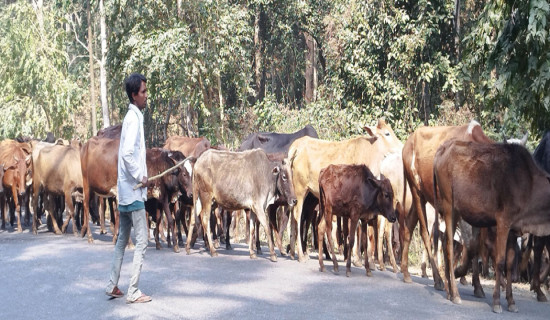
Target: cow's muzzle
[292, 202]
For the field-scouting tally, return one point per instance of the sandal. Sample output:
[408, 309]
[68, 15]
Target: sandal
[116, 293]
[142, 299]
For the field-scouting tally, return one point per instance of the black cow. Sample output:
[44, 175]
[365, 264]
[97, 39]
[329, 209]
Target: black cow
[272, 142]
[236, 181]
[542, 158]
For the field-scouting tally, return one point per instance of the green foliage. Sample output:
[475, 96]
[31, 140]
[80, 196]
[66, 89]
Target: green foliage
[37, 93]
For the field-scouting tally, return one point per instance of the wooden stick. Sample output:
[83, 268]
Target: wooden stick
[139, 185]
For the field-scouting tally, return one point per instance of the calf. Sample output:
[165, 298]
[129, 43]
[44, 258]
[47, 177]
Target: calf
[490, 185]
[351, 191]
[236, 181]
[166, 187]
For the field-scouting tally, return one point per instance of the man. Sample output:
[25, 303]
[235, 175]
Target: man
[132, 170]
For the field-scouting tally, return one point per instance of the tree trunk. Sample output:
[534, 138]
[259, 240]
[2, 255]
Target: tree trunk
[311, 68]
[259, 68]
[92, 81]
[220, 97]
[458, 95]
[103, 72]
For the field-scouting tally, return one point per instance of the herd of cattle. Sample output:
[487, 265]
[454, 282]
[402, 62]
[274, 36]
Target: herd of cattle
[493, 192]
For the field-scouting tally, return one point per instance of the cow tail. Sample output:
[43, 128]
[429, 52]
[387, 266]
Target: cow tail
[321, 214]
[436, 220]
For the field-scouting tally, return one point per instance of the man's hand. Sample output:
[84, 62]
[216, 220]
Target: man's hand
[146, 183]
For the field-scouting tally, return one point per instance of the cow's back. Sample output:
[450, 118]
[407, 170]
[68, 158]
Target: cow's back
[310, 155]
[420, 148]
[230, 174]
[58, 168]
[272, 142]
[190, 147]
[99, 163]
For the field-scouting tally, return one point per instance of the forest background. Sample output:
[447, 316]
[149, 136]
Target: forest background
[226, 68]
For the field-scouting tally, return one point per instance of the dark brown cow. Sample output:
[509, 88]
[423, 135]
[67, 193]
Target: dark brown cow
[57, 171]
[490, 185]
[310, 155]
[351, 191]
[236, 181]
[112, 132]
[190, 147]
[166, 187]
[99, 160]
[418, 155]
[16, 159]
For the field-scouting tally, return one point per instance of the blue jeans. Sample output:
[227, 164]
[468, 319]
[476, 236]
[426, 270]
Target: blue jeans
[138, 219]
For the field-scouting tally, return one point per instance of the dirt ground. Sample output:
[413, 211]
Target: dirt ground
[51, 277]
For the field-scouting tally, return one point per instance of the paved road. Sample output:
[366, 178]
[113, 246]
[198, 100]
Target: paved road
[52, 277]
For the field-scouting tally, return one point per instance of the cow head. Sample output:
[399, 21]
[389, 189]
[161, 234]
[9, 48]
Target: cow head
[384, 197]
[184, 172]
[384, 135]
[285, 187]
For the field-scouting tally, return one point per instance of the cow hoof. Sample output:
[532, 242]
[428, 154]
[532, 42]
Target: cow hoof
[497, 308]
[439, 286]
[158, 246]
[214, 254]
[479, 293]
[335, 270]
[90, 240]
[19, 230]
[253, 256]
[369, 273]
[322, 269]
[463, 281]
[187, 251]
[228, 247]
[216, 244]
[513, 308]
[382, 268]
[273, 258]
[457, 300]
[76, 234]
[102, 232]
[348, 273]
[176, 249]
[407, 278]
[357, 263]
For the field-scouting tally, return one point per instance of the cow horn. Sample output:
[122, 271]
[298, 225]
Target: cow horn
[524, 139]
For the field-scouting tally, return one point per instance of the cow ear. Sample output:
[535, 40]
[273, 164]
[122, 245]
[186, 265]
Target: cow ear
[276, 170]
[369, 130]
[28, 159]
[374, 182]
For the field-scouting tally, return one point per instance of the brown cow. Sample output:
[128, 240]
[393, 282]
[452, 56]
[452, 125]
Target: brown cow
[57, 171]
[190, 147]
[236, 181]
[99, 159]
[309, 155]
[166, 187]
[490, 185]
[16, 159]
[418, 154]
[351, 191]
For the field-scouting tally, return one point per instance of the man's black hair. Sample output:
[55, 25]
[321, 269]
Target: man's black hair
[133, 84]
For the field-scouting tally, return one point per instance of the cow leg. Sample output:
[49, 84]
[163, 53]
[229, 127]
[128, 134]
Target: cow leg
[257, 236]
[500, 248]
[227, 217]
[296, 234]
[382, 222]
[17, 208]
[261, 215]
[538, 248]
[322, 229]
[272, 214]
[35, 192]
[205, 215]
[101, 207]
[2, 210]
[170, 225]
[352, 229]
[251, 234]
[69, 205]
[284, 216]
[450, 222]
[510, 256]
[389, 245]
